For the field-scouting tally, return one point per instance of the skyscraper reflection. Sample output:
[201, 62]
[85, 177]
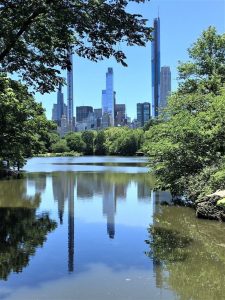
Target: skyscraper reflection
[71, 184]
[143, 192]
[63, 189]
[60, 192]
[109, 207]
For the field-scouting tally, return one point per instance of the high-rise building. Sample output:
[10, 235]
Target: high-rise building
[98, 116]
[155, 67]
[60, 105]
[70, 116]
[108, 97]
[143, 113]
[98, 112]
[54, 113]
[165, 86]
[120, 114]
[82, 112]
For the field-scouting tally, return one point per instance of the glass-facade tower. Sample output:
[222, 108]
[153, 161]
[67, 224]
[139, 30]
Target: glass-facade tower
[143, 113]
[108, 97]
[165, 86]
[60, 105]
[155, 67]
[70, 93]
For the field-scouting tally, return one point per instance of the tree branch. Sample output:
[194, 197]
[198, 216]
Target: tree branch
[23, 28]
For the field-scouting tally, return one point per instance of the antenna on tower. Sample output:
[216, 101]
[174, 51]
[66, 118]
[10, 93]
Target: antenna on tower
[158, 12]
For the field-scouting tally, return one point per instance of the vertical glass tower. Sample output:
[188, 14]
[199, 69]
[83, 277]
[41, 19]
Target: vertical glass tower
[60, 105]
[155, 67]
[165, 86]
[108, 97]
[70, 93]
[143, 113]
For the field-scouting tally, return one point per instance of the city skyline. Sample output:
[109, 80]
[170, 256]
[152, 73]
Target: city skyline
[133, 84]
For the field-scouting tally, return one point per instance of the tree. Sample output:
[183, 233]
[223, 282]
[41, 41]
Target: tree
[88, 139]
[206, 70]
[75, 142]
[60, 146]
[127, 144]
[36, 36]
[23, 125]
[99, 143]
[187, 149]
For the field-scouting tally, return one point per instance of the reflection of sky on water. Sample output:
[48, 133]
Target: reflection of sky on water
[102, 220]
[83, 164]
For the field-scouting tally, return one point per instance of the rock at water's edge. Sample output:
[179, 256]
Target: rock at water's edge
[207, 208]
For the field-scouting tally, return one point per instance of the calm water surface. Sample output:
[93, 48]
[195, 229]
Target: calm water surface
[92, 228]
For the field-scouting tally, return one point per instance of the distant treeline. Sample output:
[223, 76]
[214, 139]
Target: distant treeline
[111, 141]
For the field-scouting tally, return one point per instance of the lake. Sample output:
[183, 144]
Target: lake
[93, 228]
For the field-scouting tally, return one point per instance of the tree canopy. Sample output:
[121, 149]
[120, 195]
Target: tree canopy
[36, 36]
[186, 148]
[23, 125]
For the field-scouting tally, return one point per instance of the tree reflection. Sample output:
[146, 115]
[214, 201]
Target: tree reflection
[191, 252]
[13, 193]
[21, 232]
[21, 229]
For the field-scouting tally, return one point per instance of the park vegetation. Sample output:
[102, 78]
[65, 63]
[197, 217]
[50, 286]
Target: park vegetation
[111, 141]
[187, 145]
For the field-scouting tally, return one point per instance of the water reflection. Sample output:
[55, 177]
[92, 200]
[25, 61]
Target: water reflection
[63, 190]
[191, 251]
[21, 229]
[111, 187]
[102, 219]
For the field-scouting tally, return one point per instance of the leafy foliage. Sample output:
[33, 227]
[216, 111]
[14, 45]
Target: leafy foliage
[187, 147]
[111, 141]
[37, 35]
[23, 125]
[74, 142]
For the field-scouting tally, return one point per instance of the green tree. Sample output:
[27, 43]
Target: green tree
[60, 146]
[23, 125]
[99, 143]
[188, 147]
[75, 142]
[37, 35]
[206, 69]
[127, 144]
[50, 139]
[88, 138]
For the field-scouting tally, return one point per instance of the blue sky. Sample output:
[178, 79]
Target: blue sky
[182, 22]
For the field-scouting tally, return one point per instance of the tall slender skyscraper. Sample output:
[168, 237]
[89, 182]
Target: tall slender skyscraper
[165, 86]
[60, 105]
[108, 97]
[156, 67]
[70, 93]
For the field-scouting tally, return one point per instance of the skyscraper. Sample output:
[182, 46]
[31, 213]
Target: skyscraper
[156, 67]
[82, 112]
[165, 86]
[60, 105]
[54, 113]
[70, 117]
[108, 97]
[143, 113]
[120, 114]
